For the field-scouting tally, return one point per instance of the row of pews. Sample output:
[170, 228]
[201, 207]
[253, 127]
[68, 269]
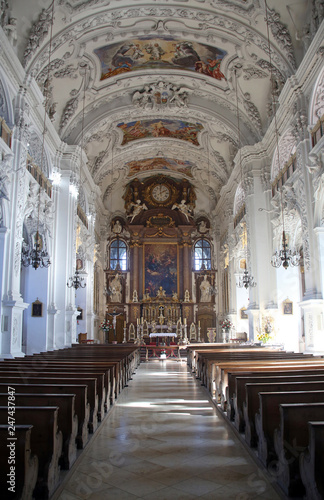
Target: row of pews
[50, 405]
[275, 401]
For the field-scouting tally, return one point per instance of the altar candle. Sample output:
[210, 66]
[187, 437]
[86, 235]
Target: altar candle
[138, 321]
[124, 324]
[199, 324]
[185, 321]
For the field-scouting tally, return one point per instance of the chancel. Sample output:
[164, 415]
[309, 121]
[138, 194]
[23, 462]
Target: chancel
[161, 171]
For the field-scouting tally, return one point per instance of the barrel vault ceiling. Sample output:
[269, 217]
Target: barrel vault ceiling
[159, 82]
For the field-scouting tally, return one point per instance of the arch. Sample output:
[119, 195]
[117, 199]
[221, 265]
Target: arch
[316, 109]
[6, 110]
[239, 199]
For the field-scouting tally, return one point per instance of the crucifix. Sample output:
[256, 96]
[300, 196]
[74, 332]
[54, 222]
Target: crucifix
[114, 314]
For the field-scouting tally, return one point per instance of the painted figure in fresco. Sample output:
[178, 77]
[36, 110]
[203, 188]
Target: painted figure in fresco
[137, 209]
[205, 295]
[185, 54]
[185, 209]
[156, 52]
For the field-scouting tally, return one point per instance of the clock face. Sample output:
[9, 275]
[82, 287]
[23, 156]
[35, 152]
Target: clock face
[160, 193]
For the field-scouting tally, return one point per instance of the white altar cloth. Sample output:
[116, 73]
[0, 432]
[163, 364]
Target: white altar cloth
[163, 334]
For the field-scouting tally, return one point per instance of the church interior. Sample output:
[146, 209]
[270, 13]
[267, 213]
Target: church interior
[161, 187]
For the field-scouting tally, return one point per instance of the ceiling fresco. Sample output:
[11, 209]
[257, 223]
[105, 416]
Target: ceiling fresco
[174, 129]
[121, 77]
[153, 164]
[167, 53]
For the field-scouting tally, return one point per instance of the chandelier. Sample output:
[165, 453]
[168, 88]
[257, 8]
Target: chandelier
[36, 256]
[76, 281]
[285, 256]
[244, 280]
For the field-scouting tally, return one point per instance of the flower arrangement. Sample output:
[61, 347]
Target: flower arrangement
[226, 324]
[265, 334]
[105, 325]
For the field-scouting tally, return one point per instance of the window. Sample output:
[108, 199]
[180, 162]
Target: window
[202, 255]
[118, 255]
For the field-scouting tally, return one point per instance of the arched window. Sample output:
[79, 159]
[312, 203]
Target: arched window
[202, 256]
[118, 255]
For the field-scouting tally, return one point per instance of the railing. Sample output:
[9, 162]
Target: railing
[318, 131]
[82, 216]
[5, 132]
[287, 171]
[38, 175]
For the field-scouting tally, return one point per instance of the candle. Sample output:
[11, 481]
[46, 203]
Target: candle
[185, 321]
[199, 324]
[138, 321]
[124, 324]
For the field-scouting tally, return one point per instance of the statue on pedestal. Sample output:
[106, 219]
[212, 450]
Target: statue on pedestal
[205, 295]
[116, 289]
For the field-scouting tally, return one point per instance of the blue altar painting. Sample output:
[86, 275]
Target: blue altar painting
[161, 268]
[150, 52]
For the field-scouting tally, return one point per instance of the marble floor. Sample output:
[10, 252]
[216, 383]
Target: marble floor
[163, 440]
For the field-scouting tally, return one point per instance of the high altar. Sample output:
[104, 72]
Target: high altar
[152, 276]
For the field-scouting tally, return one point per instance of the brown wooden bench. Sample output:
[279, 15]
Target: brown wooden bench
[67, 420]
[63, 370]
[32, 378]
[311, 462]
[283, 365]
[236, 383]
[291, 439]
[82, 407]
[46, 443]
[236, 409]
[20, 469]
[268, 417]
[251, 404]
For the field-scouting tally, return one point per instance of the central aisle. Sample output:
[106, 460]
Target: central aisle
[163, 440]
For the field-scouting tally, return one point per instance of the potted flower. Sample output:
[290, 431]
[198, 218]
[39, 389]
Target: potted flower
[226, 325]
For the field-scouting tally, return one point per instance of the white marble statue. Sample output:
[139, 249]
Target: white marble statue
[116, 289]
[205, 295]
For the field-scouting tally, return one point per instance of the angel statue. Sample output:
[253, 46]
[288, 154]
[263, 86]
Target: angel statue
[137, 208]
[185, 209]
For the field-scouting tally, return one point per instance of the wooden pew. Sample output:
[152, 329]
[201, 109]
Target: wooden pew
[251, 404]
[64, 370]
[268, 417]
[240, 391]
[67, 420]
[46, 443]
[31, 378]
[291, 439]
[235, 391]
[311, 462]
[82, 407]
[283, 365]
[25, 464]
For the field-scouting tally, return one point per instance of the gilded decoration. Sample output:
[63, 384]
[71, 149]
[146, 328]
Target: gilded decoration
[159, 221]
[154, 193]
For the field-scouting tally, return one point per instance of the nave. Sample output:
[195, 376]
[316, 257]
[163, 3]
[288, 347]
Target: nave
[163, 439]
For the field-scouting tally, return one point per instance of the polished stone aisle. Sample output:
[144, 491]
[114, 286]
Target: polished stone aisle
[163, 440]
